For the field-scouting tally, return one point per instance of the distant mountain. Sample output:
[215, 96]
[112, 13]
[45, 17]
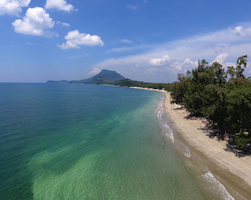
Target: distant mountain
[62, 81]
[104, 77]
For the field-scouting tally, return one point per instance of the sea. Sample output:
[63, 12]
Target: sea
[84, 142]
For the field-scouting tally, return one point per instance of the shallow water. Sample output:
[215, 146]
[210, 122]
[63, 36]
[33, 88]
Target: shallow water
[63, 141]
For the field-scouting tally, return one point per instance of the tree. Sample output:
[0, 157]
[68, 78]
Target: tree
[206, 91]
[179, 89]
[237, 73]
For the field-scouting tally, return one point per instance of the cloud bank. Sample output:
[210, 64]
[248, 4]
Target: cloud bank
[223, 46]
[159, 61]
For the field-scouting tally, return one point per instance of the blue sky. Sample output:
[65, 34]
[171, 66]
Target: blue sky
[141, 39]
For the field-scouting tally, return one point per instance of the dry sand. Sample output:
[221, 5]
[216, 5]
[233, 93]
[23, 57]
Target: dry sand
[223, 163]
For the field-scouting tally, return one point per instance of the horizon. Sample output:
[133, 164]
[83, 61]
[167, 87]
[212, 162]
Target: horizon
[144, 40]
[78, 80]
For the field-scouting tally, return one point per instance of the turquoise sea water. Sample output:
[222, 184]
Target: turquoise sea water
[63, 141]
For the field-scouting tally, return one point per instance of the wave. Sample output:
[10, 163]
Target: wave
[159, 114]
[165, 130]
[211, 184]
[184, 149]
[215, 187]
[168, 132]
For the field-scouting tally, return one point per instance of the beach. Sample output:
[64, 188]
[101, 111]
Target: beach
[234, 171]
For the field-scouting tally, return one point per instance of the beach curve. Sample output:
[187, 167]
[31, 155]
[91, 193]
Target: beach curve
[235, 170]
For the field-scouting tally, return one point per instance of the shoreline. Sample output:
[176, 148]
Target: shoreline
[233, 171]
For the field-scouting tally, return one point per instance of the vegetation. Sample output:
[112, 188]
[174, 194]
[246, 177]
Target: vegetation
[104, 77]
[222, 96]
[131, 83]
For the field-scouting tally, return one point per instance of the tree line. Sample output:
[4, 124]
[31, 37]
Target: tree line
[222, 96]
[132, 83]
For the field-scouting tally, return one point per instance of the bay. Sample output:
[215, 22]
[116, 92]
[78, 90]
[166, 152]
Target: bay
[67, 141]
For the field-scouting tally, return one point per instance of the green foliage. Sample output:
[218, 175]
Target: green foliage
[131, 83]
[242, 140]
[179, 89]
[207, 91]
[239, 109]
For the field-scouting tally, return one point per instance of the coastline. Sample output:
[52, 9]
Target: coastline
[233, 171]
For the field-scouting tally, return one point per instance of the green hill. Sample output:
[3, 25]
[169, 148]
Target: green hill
[104, 77]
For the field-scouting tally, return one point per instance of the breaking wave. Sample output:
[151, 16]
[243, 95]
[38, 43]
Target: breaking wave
[214, 186]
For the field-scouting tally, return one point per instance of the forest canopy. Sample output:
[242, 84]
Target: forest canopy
[222, 95]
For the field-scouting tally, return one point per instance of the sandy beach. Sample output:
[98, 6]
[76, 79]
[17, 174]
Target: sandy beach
[236, 171]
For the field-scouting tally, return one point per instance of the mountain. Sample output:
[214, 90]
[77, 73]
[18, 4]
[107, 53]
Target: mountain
[104, 77]
[62, 81]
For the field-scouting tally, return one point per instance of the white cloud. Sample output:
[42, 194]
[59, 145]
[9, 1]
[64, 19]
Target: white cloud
[132, 7]
[12, 7]
[95, 71]
[76, 39]
[240, 31]
[59, 5]
[221, 58]
[176, 65]
[184, 66]
[166, 64]
[223, 46]
[188, 61]
[35, 22]
[159, 61]
[63, 24]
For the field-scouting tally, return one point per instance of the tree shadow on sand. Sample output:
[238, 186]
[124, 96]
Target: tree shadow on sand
[214, 133]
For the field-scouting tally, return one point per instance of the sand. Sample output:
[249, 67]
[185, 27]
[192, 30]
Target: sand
[236, 170]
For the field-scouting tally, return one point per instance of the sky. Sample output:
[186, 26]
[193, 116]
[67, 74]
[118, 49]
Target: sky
[146, 40]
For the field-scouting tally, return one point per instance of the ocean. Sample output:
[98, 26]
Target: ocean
[74, 141]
